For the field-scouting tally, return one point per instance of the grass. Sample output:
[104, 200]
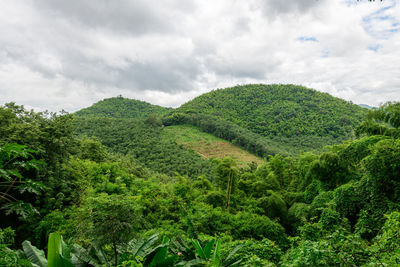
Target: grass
[207, 145]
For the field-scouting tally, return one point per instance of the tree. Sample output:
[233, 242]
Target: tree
[383, 165]
[58, 254]
[385, 250]
[17, 163]
[227, 176]
[384, 120]
[110, 220]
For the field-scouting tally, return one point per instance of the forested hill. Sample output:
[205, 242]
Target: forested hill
[263, 119]
[120, 107]
[285, 113]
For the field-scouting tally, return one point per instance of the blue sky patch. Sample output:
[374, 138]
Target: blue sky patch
[307, 39]
[374, 48]
[372, 26]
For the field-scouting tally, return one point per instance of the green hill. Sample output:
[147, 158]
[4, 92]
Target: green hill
[262, 119]
[119, 107]
[288, 114]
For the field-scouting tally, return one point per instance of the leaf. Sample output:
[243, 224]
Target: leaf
[34, 255]
[58, 254]
[161, 253]
[216, 259]
[4, 174]
[194, 262]
[168, 261]
[20, 208]
[63, 262]
[34, 163]
[236, 263]
[31, 187]
[99, 253]
[14, 173]
[65, 249]
[141, 247]
[207, 248]
[231, 254]
[54, 249]
[199, 249]
[180, 246]
[80, 256]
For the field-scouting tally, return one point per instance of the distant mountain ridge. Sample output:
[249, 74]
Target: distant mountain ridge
[365, 106]
[120, 107]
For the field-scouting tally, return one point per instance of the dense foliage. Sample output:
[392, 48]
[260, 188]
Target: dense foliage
[287, 114]
[142, 140]
[120, 107]
[113, 192]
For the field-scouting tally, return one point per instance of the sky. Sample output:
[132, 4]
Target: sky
[66, 55]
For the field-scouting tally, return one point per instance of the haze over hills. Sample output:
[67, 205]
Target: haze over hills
[365, 106]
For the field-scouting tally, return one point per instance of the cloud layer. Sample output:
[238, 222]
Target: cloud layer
[68, 54]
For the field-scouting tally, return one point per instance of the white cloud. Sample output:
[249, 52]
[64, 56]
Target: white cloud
[68, 54]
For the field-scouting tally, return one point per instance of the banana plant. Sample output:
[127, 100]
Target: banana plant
[34, 255]
[211, 258]
[58, 255]
[92, 256]
[159, 256]
[183, 249]
[146, 251]
[141, 248]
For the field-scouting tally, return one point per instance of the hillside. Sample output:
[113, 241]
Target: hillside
[119, 107]
[262, 119]
[288, 114]
[207, 145]
[143, 141]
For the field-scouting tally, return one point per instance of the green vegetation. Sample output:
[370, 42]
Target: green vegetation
[382, 121]
[229, 131]
[187, 134]
[119, 107]
[287, 114]
[100, 191]
[143, 141]
[207, 145]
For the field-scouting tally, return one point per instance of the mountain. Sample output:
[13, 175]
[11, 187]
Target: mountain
[365, 106]
[120, 107]
[288, 114]
[262, 119]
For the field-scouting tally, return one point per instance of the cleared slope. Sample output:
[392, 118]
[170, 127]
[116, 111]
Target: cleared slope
[207, 145]
[288, 114]
[119, 107]
[143, 141]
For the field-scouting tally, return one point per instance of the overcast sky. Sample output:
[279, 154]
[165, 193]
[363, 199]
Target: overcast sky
[58, 54]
